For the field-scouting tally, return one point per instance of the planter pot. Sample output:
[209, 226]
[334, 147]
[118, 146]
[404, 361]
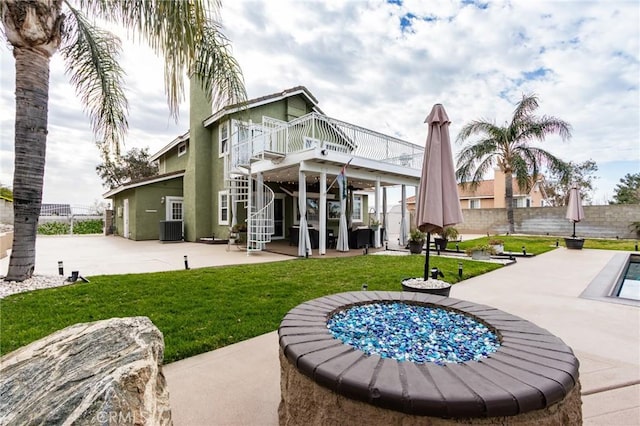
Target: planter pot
[574, 243]
[499, 248]
[440, 243]
[480, 255]
[415, 247]
[442, 291]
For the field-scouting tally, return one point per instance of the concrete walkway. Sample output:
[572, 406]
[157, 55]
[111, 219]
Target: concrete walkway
[240, 384]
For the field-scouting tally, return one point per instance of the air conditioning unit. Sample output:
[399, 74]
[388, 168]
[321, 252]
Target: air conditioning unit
[170, 230]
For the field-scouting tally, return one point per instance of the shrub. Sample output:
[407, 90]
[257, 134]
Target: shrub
[54, 228]
[91, 226]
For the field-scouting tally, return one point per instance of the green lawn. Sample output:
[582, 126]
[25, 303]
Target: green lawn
[203, 309]
[542, 244]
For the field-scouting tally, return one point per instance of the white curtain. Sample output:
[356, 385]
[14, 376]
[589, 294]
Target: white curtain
[342, 244]
[304, 242]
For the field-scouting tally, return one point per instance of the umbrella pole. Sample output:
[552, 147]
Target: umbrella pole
[426, 259]
[574, 229]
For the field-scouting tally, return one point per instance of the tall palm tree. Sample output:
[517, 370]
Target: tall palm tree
[509, 148]
[186, 33]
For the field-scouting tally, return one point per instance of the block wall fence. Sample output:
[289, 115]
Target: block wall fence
[608, 221]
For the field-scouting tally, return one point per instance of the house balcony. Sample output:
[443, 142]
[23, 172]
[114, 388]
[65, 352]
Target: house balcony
[315, 139]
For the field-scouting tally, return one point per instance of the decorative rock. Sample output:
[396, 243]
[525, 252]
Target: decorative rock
[106, 372]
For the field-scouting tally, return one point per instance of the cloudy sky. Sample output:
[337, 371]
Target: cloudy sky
[382, 65]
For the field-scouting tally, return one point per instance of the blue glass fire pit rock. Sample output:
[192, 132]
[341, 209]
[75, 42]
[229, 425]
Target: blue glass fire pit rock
[416, 333]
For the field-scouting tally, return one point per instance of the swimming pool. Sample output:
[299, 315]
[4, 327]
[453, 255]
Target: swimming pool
[618, 282]
[629, 285]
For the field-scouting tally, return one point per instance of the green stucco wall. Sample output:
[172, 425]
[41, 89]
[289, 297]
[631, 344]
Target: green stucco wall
[170, 162]
[146, 209]
[198, 178]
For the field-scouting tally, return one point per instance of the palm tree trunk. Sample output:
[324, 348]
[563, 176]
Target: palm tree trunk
[508, 199]
[32, 99]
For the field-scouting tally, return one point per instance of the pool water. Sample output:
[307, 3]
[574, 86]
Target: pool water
[415, 333]
[630, 286]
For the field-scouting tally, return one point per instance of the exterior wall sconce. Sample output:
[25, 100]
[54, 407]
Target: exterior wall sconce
[161, 200]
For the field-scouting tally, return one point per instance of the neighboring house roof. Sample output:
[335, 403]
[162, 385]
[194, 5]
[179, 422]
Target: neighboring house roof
[55, 209]
[141, 182]
[262, 100]
[484, 190]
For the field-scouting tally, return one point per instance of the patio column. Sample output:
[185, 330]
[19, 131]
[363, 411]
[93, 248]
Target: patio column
[322, 239]
[376, 234]
[385, 219]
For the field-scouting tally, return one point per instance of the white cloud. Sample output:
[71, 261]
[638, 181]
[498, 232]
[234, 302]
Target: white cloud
[582, 58]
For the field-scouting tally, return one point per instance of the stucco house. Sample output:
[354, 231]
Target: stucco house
[249, 164]
[489, 194]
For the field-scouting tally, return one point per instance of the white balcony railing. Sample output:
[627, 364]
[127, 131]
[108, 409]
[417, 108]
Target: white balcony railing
[275, 137]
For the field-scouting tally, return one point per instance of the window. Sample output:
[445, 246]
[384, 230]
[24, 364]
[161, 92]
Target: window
[223, 208]
[182, 149]
[224, 138]
[356, 214]
[474, 204]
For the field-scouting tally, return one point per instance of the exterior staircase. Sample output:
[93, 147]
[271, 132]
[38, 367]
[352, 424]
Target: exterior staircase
[258, 199]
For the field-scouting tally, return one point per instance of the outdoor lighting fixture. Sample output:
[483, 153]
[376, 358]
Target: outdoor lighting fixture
[161, 200]
[457, 248]
[524, 250]
[186, 262]
[435, 273]
[636, 246]
[459, 269]
[557, 242]
[364, 287]
[61, 266]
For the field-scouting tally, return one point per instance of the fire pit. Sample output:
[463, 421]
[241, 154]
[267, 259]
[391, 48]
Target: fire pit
[414, 358]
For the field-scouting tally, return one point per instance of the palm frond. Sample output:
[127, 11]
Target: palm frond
[183, 33]
[538, 129]
[480, 127]
[474, 160]
[524, 109]
[218, 69]
[91, 61]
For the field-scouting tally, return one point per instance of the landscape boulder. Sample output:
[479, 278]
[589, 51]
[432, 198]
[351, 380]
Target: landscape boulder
[105, 372]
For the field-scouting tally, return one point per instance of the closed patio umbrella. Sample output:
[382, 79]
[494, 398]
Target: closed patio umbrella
[575, 212]
[437, 202]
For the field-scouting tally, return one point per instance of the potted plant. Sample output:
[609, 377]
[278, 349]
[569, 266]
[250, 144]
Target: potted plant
[497, 244]
[448, 233]
[431, 286]
[374, 224]
[480, 252]
[416, 241]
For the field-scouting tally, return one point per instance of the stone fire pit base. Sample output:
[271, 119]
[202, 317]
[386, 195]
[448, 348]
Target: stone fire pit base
[306, 402]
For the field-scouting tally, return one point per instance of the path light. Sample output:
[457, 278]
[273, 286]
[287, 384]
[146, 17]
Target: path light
[186, 262]
[636, 246]
[457, 248]
[524, 250]
[364, 287]
[61, 266]
[557, 242]
[459, 269]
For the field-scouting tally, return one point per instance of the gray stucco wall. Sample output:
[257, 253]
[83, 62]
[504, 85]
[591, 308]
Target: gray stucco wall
[600, 221]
